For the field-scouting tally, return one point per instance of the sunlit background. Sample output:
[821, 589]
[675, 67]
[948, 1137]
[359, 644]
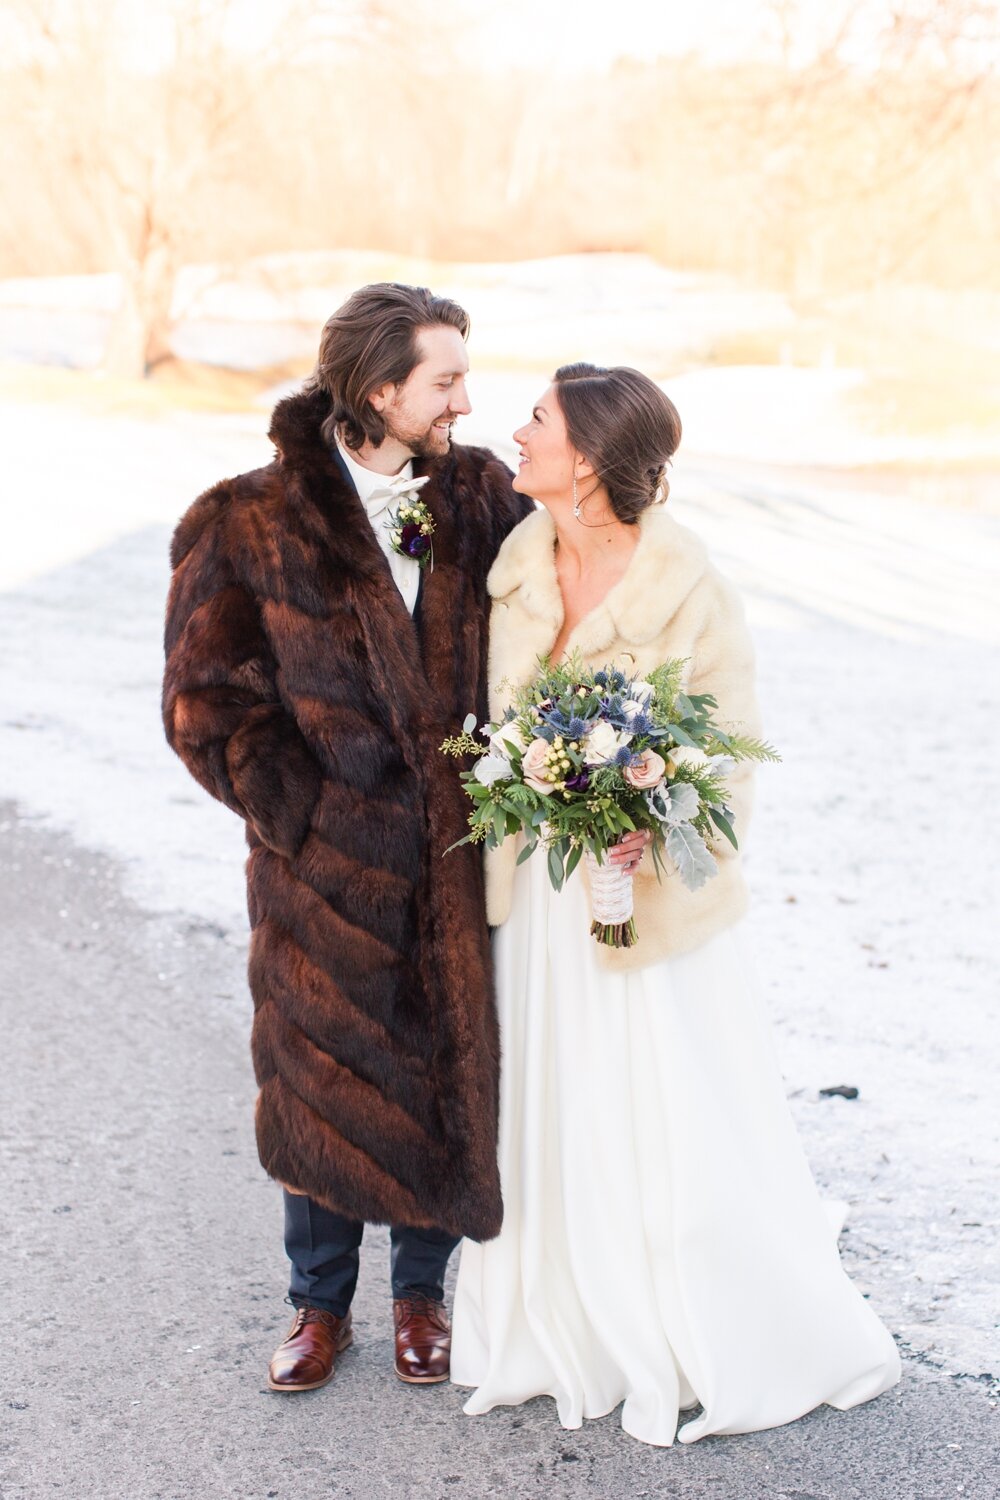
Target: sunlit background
[788, 210]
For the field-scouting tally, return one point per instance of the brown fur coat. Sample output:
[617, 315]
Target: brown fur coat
[299, 691]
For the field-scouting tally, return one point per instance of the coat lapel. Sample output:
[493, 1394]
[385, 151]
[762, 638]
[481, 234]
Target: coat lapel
[327, 512]
[449, 623]
[324, 510]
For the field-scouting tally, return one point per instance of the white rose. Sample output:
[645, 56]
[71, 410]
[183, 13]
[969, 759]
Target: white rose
[507, 738]
[602, 744]
[685, 755]
[491, 768]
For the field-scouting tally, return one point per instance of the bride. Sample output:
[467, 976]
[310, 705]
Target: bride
[663, 1246]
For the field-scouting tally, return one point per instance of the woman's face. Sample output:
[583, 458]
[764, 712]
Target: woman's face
[547, 457]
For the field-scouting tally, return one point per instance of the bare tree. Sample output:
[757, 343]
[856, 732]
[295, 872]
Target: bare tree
[861, 126]
[142, 127]
[859, 150]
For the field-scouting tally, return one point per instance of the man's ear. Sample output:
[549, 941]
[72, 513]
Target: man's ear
[380, 399]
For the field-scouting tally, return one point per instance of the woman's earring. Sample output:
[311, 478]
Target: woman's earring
[576, 502]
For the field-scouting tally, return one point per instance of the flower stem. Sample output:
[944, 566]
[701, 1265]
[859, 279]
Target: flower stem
[615, 934]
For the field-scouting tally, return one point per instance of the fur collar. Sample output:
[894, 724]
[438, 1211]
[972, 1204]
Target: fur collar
[295, 433]
[666, 565]
[295, 424]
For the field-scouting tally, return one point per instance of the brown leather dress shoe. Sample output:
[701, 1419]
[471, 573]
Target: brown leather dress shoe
[423, 1340]
[305, 1359]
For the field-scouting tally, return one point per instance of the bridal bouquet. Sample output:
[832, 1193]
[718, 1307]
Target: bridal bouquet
[582, 757]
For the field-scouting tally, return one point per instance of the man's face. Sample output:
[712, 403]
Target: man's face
[421, 412]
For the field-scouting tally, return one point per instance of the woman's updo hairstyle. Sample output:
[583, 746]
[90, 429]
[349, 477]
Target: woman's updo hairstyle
[625, 427]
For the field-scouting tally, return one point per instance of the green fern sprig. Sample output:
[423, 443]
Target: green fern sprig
[666, 682]
[741, 746]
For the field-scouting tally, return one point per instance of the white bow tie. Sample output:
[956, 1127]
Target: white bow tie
[393, 492]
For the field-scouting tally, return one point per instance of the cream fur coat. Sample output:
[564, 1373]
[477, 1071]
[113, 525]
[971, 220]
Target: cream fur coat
[670, 602]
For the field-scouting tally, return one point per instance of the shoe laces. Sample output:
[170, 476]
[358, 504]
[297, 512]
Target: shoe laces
[418, 1305]
[306, 1315]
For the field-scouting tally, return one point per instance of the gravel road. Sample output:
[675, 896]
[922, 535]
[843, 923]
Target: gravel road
[143, 1281]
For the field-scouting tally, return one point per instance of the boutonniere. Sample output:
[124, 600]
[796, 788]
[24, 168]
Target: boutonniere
[411, 525]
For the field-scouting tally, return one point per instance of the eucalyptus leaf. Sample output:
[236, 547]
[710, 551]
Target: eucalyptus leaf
[574, 860]
[469, 724]
[691, 856]
[555, 869]
[723, 824]
[682, 737]
[458, 844]
[526, 852]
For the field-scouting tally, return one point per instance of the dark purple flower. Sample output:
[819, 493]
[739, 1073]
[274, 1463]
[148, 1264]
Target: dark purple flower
[412, 540]
[579, 782]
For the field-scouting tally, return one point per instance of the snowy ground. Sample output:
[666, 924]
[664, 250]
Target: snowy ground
[871, 855]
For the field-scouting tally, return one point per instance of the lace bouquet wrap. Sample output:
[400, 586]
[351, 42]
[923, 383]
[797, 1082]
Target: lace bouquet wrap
[611, 902]
[582, 757]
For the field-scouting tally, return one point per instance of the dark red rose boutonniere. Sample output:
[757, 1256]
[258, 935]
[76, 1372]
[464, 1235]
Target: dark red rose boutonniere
[411, 525]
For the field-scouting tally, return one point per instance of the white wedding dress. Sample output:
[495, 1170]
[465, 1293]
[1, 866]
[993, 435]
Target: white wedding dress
[664, 1245]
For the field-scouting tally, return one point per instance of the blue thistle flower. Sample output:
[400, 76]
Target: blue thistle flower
[557, 722]
[613, 709]
[576, 728]
[624, 757]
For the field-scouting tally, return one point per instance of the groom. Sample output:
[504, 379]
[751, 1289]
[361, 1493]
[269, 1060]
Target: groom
[312, 671]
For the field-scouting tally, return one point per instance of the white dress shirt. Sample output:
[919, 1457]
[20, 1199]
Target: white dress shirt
[405, 570]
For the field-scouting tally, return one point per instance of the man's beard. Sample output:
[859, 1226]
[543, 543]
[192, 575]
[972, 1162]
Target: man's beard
[430, 443]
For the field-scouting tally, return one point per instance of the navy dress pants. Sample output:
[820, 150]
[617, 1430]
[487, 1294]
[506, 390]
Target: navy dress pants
[324, 1249]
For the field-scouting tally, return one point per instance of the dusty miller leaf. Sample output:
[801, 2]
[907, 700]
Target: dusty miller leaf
[689, 852]
[677, 803]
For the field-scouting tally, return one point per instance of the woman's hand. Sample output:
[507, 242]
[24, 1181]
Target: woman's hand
[628, 851]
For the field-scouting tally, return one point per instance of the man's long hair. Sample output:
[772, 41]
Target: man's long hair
[369, 342]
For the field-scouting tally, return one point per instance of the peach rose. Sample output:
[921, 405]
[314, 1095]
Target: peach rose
[648, 773]
[533, 764]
